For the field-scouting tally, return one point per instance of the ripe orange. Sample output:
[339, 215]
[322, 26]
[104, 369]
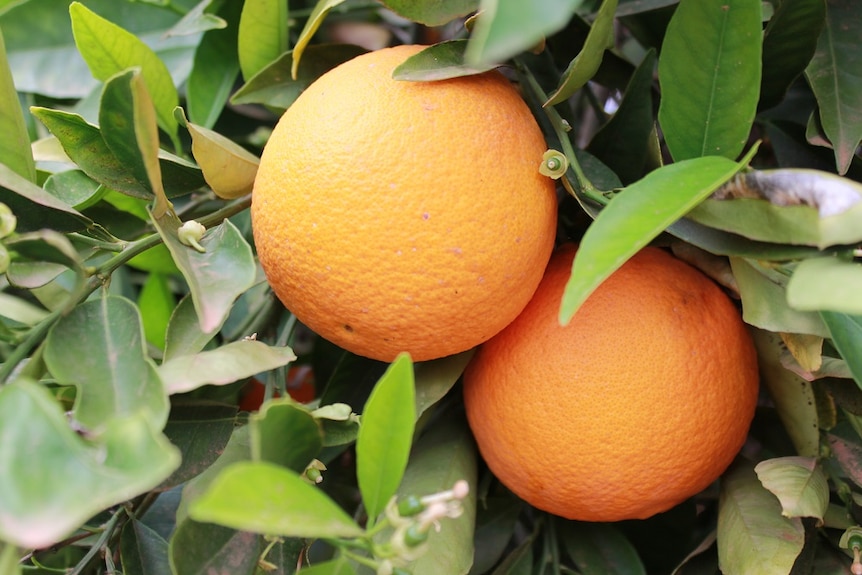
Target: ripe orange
[639, 403]
[396, 216]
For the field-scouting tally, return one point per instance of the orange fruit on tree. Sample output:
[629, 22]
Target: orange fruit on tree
[640, 402]
[396, 216]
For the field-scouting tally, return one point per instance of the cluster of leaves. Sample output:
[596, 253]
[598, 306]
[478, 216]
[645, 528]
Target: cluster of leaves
[127, 336]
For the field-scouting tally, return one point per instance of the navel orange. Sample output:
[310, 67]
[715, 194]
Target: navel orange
[639, 403]
[396, 216]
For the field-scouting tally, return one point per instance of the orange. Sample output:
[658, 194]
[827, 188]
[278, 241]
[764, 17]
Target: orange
[639, 403]
[299, 384]
[396, 216]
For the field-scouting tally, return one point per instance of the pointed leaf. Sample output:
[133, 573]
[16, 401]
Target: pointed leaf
[226, 364]
[217, 276]
[143, 550]
[15, 143]
[789, 42]
[321, 9]
[266, 498]
[846, 333]
[585, 65]
[431, 13]
[109, 49]
[385, 436]
[753, 536]
[262, 34]
[99, 348]
[35, 208]
[506, 29]
[798, 482]
[285, 434]
[834, 77]
[197, 20]
[274, 86]
[439, 62]
[228, 168]
[635, 216]
[54, 480]
[709, 71]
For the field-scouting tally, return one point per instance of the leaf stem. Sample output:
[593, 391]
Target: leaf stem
[101, 542]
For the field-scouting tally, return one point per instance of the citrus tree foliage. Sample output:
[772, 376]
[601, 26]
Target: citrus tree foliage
[135, 321]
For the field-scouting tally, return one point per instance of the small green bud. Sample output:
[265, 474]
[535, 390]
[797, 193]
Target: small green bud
[190, 234]
[410, 506]
[415, 536]
[8, 221]
[5, 259]
[554, 164]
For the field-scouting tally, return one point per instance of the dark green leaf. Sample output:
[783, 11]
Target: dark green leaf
[203, 548]
[623, 142]
[285, 434]
[226, 364]
[215, 277]
[385, 436]
[753, 536]
[600, 548]
[585, 65]
[709, 71]
[834, 76]
[99, 348]
[142, 550]
[321, 9]
[214, 70]
[35, 208]
[439, 62]
[637, 215]
[266, 498]
[54, 480]
[15, 144]
[46, 245]
[262, 35]
[432, 12]
[109, 49]
[505, 29]
[435, 378]
[495, 526]
[846, 332]
[274, 86]
[788, 45]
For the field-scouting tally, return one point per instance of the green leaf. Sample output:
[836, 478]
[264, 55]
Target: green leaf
[15, 145]
[9, 560]
[109, 49]
[156, 302]
[798, 482]
[623, 142]
[197, 20]
[439, 62]
[635, 216]
[321, 9]
[789, 42]
[54, 480]
[443, 455]
[435, 378]
[600, 548]
[200, 431]
[792, 395]
[432, 12]
[266, 498]
[496, 519]
[274, 86]
[20, 310]
[765, 303]
[262, 35]
[753, 536]
[214, 71]
[827, 283]
[47, 245]
[385, 436]
[216, 277]
[184, 335]
[284, 434]
[834, 77]
[228, 168]
[99, 348]
[75, 188]
[339, 566]
[143, 550]
[198, 548]
[35, 208]
[846, 333]
[505, 29]
[226, 364]
[128, 126]
[585, 65]
[709, 71]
